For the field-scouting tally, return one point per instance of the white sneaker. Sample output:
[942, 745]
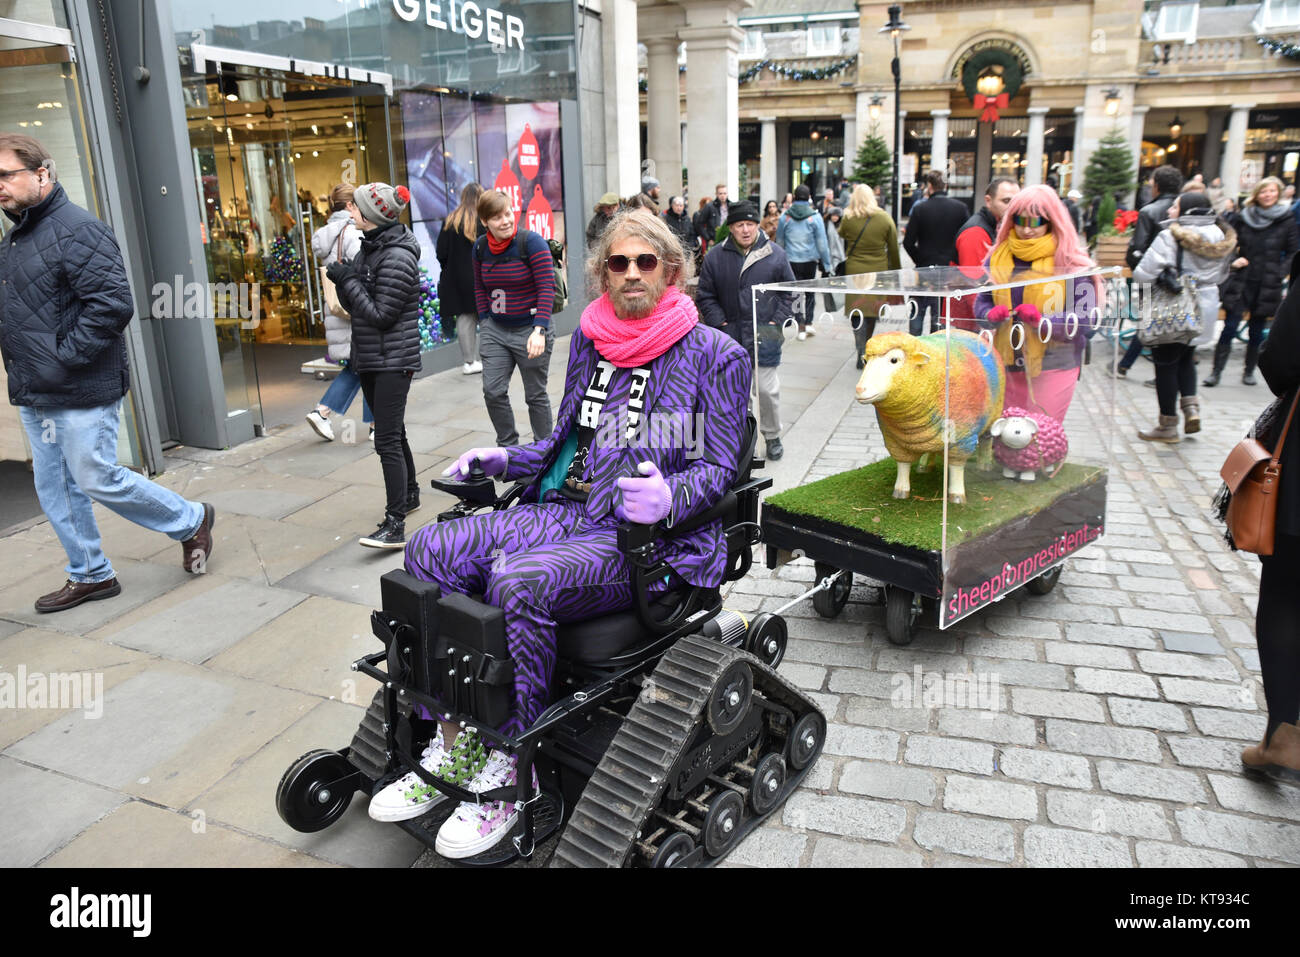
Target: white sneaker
[475, 367]
[409, 796]
[802, 336]
[467, 369]
[475, 828]
[321, 425]
[810, 331]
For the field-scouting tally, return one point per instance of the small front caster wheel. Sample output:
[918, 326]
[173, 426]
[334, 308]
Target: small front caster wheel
[1044, 582]
[831, 602]
[902, 608]
[316, 790]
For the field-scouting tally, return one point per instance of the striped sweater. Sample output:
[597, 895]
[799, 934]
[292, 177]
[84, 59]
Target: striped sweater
[512, 291]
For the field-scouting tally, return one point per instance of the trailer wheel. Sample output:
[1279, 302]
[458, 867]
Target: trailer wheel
[831, 602]
[1044, 582]
[316, 790]
[902, 608]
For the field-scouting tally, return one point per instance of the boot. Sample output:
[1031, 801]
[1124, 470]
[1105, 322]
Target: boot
[1166, 431]
[1281, 752]
[1191, 406]
[1252, 357]
[1221, 352]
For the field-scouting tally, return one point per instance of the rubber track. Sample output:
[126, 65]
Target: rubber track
[369, 743]
[632, 775]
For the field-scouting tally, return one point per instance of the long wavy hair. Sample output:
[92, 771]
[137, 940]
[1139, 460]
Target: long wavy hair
[644, 225]
[464, 218]
[862, 202]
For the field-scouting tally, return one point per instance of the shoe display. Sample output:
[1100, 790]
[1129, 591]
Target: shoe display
[775, 450]
[475, 828]
[409, 796]
[321, 425]
[1166, 431]
[195, 551]
[73, 594]
[389, 534]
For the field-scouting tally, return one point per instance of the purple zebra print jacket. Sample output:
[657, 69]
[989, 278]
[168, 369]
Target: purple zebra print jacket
[697, 401]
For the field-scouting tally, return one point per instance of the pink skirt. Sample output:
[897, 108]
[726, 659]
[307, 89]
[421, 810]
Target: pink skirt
[1052, 391]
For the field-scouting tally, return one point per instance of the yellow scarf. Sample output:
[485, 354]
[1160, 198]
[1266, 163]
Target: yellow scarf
[1040, 253]
[1048, 297]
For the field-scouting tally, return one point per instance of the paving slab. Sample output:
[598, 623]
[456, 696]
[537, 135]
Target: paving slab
[32, 829]
[141, 582]
[166, 734]
[245, 798]
[228, 613]
[349, 573]
[141, 835]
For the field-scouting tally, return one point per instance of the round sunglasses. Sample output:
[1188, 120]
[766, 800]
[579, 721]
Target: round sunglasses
[646, 262]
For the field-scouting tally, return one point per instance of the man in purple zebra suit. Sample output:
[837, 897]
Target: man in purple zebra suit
[650, 430]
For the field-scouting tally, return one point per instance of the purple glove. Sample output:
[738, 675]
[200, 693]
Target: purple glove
[1028, 314]
[998, 314]
[645, 500]
[492, 460]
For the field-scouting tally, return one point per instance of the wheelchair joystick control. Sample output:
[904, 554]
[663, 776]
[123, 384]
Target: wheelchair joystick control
[476, 473]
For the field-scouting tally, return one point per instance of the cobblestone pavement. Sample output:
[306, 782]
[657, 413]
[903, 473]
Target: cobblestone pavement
[1127, 693]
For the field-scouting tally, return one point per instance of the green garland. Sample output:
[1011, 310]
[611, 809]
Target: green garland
[1012, 73]
[1280, 47]
[790, 73]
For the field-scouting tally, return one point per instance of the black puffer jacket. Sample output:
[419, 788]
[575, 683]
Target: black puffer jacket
[382, 293]
[1257, 288]
[1279, 363]
[456, 283]
[64, 301]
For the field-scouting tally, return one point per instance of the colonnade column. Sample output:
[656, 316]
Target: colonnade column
[939, 142]
[1034, 146]
[1234, 151]
[767, 186]
[712, 89]
[663, 115]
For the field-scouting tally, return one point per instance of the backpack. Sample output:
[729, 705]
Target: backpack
[557, 266]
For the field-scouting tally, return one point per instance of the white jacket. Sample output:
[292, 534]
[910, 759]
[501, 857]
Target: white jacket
[1208, 244]
[324, 244]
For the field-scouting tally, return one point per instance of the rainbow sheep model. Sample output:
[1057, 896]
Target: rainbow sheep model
[1027, 442]
[904, 379]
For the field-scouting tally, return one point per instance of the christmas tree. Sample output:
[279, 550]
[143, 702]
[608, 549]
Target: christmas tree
[873, 165]
[283, 264]
[1110, 168]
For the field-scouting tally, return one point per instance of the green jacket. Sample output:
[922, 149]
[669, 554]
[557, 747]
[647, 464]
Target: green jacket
[877, 250]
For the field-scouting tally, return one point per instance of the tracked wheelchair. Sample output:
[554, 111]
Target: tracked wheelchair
[670, 735]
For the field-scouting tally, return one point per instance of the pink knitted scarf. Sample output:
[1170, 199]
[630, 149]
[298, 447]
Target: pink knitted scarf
[629, 343]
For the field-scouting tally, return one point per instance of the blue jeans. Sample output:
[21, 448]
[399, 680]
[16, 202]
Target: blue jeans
[74, 458]
[338, 397]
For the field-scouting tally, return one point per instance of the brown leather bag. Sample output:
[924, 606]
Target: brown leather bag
[1253, 476]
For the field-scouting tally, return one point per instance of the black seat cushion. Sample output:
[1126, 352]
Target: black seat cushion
[597, 640]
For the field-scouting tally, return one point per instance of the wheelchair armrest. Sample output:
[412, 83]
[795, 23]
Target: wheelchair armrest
[482, 492]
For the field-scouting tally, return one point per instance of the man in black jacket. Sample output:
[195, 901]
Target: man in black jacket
[679, 221]
[748, 258]
[1166, 181]
[65, 303]
[931, 239]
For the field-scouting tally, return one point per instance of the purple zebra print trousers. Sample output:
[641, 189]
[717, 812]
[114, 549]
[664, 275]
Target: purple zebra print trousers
[540, 564]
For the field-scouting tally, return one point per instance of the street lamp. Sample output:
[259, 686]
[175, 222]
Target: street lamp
[874, 109]
[1112, 101]
[894, 27]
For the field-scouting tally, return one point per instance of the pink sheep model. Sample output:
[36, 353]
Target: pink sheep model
[1027, 442]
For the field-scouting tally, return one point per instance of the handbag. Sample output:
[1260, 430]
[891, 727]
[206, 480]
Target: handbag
[1171, 317]
[1253, 475]
[327, 286]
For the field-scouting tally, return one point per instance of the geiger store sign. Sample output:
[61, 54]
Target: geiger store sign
[465, 17]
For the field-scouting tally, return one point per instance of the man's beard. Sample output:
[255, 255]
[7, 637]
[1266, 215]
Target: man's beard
[638, 308]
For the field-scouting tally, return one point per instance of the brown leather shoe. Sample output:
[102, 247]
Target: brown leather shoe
[1283, 750]
[195, 551]
[73, 594]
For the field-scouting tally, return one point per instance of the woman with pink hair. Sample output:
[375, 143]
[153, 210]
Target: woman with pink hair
[1039, 329]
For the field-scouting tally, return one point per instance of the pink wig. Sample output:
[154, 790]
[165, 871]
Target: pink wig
[1071, 255]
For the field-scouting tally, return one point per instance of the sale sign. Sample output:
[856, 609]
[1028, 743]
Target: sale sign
[530, 159]
[507, 183]
[541, 218]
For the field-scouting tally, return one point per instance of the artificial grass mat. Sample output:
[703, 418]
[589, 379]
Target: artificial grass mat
[863, 500]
